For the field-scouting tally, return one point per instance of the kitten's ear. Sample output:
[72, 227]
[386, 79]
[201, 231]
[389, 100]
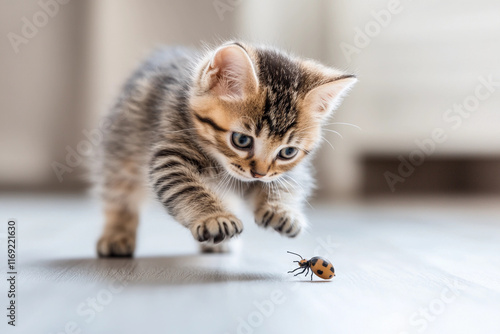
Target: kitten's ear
[230, 73]
[324, 99]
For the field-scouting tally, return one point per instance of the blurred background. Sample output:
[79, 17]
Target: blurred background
[408, 182]
[427, 103]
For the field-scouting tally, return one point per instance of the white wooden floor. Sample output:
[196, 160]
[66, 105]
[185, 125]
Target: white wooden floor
[400, 269]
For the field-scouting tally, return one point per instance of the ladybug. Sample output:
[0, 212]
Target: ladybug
[319, 266]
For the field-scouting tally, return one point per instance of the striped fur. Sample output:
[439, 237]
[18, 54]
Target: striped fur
[171, 130]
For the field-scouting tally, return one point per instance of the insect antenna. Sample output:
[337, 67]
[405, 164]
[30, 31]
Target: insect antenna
[295, 254]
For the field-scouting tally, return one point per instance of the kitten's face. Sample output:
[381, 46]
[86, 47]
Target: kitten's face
[248, 147]
[259, 112]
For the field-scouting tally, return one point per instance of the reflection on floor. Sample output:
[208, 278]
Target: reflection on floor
[400, 269]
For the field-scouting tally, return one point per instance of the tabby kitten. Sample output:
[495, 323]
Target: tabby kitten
[193, 127]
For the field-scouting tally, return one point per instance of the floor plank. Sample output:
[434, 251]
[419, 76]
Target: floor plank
[400, 269]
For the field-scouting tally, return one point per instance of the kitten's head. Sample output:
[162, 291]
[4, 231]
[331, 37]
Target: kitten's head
[259, 111]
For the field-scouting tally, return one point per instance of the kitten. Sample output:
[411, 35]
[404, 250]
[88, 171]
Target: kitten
[192, 127]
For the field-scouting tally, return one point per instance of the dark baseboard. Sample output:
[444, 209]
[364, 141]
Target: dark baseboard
[441, 175]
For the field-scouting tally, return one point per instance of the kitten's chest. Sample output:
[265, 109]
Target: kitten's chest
[227, 188]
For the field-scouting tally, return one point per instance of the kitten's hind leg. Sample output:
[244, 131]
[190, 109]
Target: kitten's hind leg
[122, 194]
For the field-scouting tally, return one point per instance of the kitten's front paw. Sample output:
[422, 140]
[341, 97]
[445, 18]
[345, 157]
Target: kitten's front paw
[117, 244]
[284, 220]
[216, 228]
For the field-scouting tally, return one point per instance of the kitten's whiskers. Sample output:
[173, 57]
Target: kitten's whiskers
[333, 131]
[323, 137]
[300, 186]
[344, 123]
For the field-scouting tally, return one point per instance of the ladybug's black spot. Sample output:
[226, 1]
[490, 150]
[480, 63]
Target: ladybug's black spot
[313, 261]
[330, 276]
[331, 269]
[325, 263]
[320, 272]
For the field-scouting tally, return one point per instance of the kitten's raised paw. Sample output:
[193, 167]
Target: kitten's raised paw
[286, 221]
[216, 228]
[118, 244]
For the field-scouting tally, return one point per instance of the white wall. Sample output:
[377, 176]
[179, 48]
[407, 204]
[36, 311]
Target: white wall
[428, 58]
[39, 84]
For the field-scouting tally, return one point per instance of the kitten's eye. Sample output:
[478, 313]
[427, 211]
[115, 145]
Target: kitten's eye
[287, 153]
[241, 141]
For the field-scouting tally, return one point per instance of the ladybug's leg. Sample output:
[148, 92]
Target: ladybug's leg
[303, 271]
[312, 272]
[291, 271]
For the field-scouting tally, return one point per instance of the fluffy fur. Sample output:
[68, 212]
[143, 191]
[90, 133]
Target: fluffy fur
[172, 129]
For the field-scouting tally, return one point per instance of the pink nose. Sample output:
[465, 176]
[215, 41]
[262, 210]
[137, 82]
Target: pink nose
[256, 175]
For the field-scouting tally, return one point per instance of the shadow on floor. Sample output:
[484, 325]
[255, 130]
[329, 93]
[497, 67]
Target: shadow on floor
[169, 270]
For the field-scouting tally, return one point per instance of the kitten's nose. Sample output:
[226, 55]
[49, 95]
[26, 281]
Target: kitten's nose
[256, 174]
